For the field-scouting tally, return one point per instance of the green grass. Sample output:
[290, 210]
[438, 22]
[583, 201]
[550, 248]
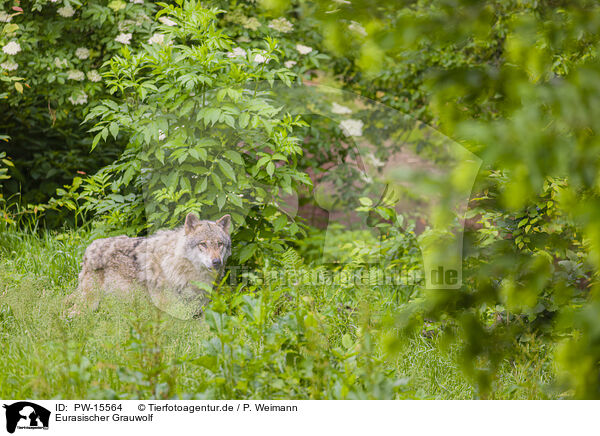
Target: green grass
[270, 341]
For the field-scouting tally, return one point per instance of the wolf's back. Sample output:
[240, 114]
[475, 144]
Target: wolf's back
[110, 263]
[104, 252]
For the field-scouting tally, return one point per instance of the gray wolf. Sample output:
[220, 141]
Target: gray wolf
[176, 267]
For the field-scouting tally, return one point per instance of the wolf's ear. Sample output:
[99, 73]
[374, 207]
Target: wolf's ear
[191, 222]
[225, 223]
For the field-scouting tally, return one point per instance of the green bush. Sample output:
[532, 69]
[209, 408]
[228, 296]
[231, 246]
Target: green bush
[202, 138]
[64, 77]
[51, 56]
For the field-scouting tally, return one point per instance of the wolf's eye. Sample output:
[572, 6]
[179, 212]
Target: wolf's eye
[220, 244]
[202, 244]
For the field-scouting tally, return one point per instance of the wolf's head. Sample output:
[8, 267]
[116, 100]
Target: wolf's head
[207, 242]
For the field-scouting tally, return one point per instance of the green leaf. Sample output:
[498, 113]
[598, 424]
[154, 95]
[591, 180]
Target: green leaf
[365, 201]
[96, 140]
[217, 180]
[185, 184]
[113, 129]
[199, 153]
[160, 155]
[186, 108]
[116, 5]
[263, 160]
[243, 120]
[221, 201]
[229, 120]
[226, 168]
[279, 223]
[201, 187]
[269, 211]
[347, 341]
[212, 115]
[11, 28]
[247, 251]
[234, 157]
[234, 199]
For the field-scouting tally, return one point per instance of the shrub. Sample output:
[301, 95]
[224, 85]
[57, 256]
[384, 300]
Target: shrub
[201, 138]
[49, 73]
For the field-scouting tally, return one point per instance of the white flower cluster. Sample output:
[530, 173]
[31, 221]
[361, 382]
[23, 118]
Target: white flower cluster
[352, 127]
[365, 177]
[259, 58]
[93, 76]
[125, 25]
[303, 49]
[66, 11]
[236, 52]
[157, 38]
[289, 64]
[167, 21]
[375, 160]
[9, 65]
[75, 75]
[237, 17]
[82, 53]
[357, 27]
[124, 38]
[251, 23]
[339, 109]
[12, 48]
[80, 98]
[137, 2]
[60, 63]
[4, 17]
[282, 25]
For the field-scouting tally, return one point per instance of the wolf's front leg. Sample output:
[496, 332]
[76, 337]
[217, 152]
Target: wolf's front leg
[87, 296]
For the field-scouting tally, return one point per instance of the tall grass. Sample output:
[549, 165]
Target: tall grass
[272, 340]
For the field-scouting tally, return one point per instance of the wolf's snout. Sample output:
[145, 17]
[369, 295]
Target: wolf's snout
[216, 263]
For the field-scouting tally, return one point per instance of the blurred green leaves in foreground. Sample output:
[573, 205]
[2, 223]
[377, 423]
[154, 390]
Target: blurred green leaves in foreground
[517, 83]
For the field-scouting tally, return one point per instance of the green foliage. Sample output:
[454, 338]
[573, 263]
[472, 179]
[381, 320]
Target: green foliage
[266, 338]
[5, 163]
[516, 82]
[193, 90]
[64, 76]
[55, 90]
[49, 63]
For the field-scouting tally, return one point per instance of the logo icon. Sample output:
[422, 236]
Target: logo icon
[26, 415]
